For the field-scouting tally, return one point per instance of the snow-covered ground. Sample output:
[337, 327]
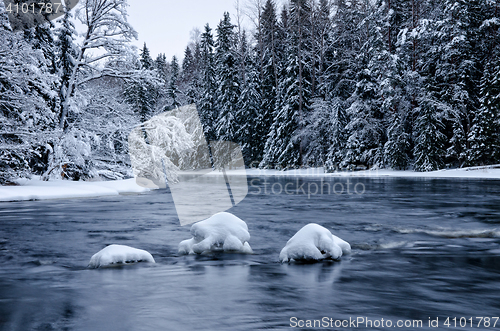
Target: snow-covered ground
[492, 172]
[33, 189]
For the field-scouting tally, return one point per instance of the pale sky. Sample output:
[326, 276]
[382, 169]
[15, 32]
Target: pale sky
[165, 25]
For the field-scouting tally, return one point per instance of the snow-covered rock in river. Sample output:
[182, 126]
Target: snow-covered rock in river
[221, 232]
[314, 242]
[115, 254]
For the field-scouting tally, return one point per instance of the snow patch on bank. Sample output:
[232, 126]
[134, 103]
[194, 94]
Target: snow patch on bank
[119, 254]
[313, 243]
[33, 189]
[486, 172]
[221, 232]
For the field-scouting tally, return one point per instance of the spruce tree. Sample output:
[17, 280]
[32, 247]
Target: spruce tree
[485, 131]
[250, 115]
[143, 91]
[271, 58]
[141, 95]
[191, 80]
[161, 66]
[365, 129]
[42, 37]
[337, 134]
[228, 88]
[458, 72]
[284, 148]
[146, 59]
[206, 107]
[429, 140]
[173, 92]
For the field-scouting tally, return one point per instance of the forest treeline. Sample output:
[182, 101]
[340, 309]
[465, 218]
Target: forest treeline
[408, 84]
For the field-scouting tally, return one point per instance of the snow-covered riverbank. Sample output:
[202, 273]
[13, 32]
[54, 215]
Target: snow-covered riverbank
[39, 190]
[487, 172]
[33, 189]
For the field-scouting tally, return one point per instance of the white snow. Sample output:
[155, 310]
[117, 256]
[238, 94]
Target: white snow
[486, 172]
[117, 254]
[34, 189]
[314, 242]
[221, 232]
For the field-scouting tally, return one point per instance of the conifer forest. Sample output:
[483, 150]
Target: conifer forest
[340, 84]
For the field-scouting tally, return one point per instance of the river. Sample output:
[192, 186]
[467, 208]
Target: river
[422, 250]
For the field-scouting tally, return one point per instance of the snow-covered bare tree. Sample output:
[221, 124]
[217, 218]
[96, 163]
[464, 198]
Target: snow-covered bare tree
[108, 33]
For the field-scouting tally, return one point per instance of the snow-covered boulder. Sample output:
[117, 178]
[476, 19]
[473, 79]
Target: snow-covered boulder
[221, 232]
[116, 254]
[314, 242]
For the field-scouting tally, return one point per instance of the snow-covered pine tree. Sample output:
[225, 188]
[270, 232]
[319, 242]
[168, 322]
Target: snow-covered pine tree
[141, 93]
[146, 59]
[42, 37]
[188, 64]
[272, 42]
[342, 58]
[485, 132]
[390, 62]
[161, 66]
[190, 78]
[249, 113]
[173, 92]
[323, 29]
[162, 71]
[243, 54]
[366, 132]
[429, 140]
[194, 86]
[187, 73]
[398, 146]
[316, 133]
[319, 129]
[227, 82]
[337, 134]
[397, 90]
[206, 105]
[418, 53]
[26, 98]
[284, 144]
[458, 71]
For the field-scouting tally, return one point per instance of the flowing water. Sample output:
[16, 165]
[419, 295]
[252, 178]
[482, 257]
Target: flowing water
[422, 249]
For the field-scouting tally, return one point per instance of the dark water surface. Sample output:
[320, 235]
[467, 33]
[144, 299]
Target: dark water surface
[422, 248]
